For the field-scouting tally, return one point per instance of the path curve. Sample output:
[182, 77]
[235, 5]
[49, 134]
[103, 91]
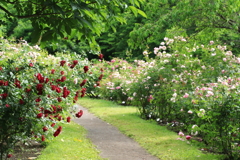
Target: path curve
[110, 141]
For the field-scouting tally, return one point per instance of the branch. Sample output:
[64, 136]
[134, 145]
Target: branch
[6, 11]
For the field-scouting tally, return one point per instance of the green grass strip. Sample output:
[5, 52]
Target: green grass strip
[156, 139]
[70, 144]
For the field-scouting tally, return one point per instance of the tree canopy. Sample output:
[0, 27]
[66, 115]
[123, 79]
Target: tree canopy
[65, 18]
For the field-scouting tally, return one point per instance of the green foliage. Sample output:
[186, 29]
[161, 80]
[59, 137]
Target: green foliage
[69, 18]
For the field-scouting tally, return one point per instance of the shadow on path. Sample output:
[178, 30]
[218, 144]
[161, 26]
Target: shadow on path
[110, 141]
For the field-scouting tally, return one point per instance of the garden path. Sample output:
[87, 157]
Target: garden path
[111, 143]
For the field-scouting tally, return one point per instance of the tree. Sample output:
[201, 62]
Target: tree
[203, 21]
[67, 18]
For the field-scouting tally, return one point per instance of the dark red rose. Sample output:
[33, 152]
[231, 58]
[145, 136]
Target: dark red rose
[83, 90]
[75, 62]
[79, 114]
[100, 56]
[59, 118]
[85, 68]
[83, 83]
[39, 115]
[54, 108]
[46, 80]
[38, 99]
[17, 84]
[47, 111]
[62, 63]
[59, 99]
[21, 101]
[53, 124]
[1, 82]
[68, 119]
[63, 78]
[9, 155]
[83, 94]
[58, 131]
[5, 83]
[66, 92]
[53, 87]
[45, 129]
[43, 138]
[52, 71]
[28, 90]
[100, 77]
[4, 95]
[62, 72]
[39, 88]
[40, 78]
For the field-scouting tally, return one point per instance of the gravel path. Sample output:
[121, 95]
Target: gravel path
[109, 141]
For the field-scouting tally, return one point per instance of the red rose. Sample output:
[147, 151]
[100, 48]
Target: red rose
[9, 155]
[66, 92]
[63, 78]
[79, 114]
[45, 129]
[58, 131]
[31, 64]
[28, 90]
[68, 119]
[43, 138]
[83, 90]
[39, 87]
[1, 82]
[85, 68]
[53, 124]
[17, 83]
[62, 72]
[7, 105]
[83, 83]
[38, 99]
[40, 78]
[100, 77]
[100, 56]
[59, 118]
[59, 99]
[46, 80]
[62, 63]
[21, 101]
[39, 115]
[52, 71]
[4, 95]
[54, 109]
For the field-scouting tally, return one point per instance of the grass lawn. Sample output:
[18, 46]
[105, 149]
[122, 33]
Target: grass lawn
[69, 145]
[156, 139]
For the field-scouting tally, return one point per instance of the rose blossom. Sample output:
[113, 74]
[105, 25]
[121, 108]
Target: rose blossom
[188, 137]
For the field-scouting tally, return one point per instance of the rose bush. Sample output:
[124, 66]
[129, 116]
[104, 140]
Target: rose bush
[37, 92]
[191, 88]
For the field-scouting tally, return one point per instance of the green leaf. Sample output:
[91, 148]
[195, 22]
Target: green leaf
[134, 10]
[142, 13]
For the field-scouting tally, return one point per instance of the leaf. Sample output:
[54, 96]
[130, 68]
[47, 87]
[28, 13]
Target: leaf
[134, 10]
[142, 13]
